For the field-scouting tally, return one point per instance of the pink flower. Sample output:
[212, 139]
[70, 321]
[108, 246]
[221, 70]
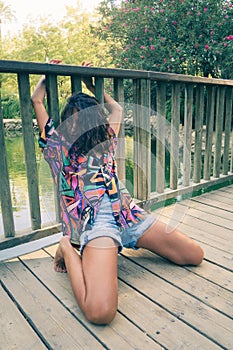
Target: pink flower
[152, 47]
[212, 32]
[229, 37]
[145, 30]
[135, 39]
[150, 38]
[199, 13]
[163, 39]
[207, 47]
[162, 11]
[136, 9]
[175, 23]
[142, 47]
[188, 13]
[224, 44]
[124, 24]
[205, 9]
[226, 16]
[142, 57]
[165, 60]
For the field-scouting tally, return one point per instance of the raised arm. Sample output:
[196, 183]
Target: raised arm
[112, 106]
[38, 103]
[38, 100]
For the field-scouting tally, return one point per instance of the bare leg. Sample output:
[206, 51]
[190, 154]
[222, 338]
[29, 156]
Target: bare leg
[171, 244]
[93, 278]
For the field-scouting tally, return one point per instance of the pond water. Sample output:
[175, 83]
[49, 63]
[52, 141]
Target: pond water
[18, 184]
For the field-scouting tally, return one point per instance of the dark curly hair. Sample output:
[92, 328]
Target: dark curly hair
[93, 134]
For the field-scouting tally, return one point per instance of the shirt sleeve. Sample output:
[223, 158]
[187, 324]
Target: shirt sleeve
[51, 145]
[46, 133]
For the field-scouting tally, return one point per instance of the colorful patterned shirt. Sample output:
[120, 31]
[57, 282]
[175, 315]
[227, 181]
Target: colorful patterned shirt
[82, 182]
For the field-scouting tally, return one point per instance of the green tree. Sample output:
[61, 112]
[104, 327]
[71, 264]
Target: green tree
[181, 36]
[6, 15]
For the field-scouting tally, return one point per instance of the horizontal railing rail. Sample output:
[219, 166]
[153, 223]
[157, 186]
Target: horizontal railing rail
[180, 128]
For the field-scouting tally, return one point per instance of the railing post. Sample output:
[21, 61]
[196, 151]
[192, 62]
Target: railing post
[211, 90]
[218, 130]
[120, 153]
[76, 84]
[198, 133]
[187, 134]
[5, 192]
[227, 130]
[99, 89]
[174, 149]
[142, 140]
[29, 147]
[160, 137]
[53, 111]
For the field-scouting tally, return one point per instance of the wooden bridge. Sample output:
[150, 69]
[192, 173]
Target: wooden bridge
[161, 306]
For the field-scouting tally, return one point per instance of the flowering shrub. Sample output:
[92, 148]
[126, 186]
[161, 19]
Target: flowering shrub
[179, 36]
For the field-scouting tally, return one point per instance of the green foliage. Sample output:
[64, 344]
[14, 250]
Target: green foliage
[179, 36]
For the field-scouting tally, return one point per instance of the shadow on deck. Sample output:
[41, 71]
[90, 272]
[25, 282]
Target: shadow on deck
[161, 306]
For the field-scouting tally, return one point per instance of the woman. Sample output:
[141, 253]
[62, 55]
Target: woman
[96, 210]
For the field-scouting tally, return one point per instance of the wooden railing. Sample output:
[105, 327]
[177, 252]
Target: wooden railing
[183, 107]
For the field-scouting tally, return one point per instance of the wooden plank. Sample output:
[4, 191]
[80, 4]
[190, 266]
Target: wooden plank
[165, 328]
[12, 66]
[16, 333]
[29, 150]
[49, 317]
[218, 130]
[198, 133]
[99, 89]
[76, 84]
[160, 137]
[208, 321]
[142, 141]
[174, 149]
[114, 335]
[227, 130]
[224, 204]
[214, 273]
[158, 324]
[120, 152]
[210, 110]
[205, 234]
[203, 290]
[5, 192]
[208, 217]
[187, 134]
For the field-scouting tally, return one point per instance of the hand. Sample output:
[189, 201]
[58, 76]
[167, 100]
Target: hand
[55, 61]
[88, 81]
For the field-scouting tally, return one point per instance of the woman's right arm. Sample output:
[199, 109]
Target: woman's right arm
[38, 100]
[38, 104]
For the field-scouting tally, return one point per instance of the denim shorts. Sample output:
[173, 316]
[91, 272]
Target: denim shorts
[105, 226]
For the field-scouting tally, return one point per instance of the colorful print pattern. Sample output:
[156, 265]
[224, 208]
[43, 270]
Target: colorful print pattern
[82, 183]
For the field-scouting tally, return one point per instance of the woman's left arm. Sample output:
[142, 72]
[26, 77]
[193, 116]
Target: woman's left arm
[112, 106]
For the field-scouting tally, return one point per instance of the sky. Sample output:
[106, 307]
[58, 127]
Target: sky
[26, 10]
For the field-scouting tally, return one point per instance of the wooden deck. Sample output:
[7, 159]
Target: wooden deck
[161, 306]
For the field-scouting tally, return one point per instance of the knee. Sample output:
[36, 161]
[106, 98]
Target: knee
[194, 257]
[100, 313]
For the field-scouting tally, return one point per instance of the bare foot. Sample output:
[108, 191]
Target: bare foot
[59, 262]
